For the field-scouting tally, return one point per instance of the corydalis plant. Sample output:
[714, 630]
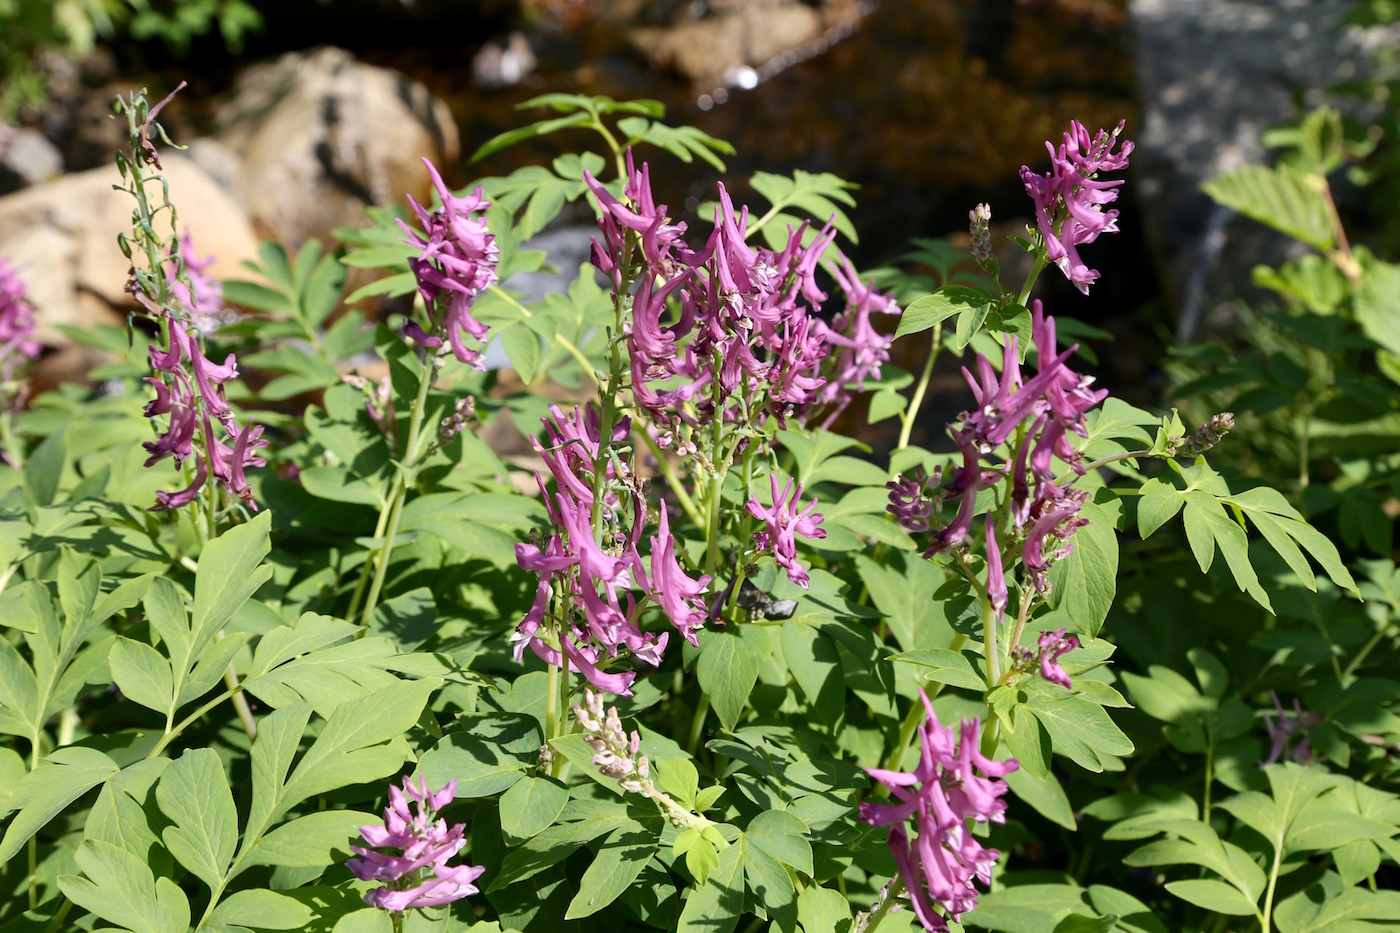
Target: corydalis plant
[1071, 199]
[587, 610]
[417, 875]
[940, 865]
[181, 299]
[17, 348]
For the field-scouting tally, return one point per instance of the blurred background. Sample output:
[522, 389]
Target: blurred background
[299, 113]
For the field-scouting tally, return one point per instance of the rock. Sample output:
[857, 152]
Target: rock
[1211, 77]
[712, 44]
[26, 158]
[319, 136]
[503, 64]
[62, 236]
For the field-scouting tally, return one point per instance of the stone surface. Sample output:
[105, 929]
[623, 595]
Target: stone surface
[62, 236]
[319, 135]
[26, 158]
[1211, 77]
[711, 43]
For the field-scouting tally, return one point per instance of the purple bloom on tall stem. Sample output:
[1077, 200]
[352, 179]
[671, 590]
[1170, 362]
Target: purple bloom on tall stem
[943, 792]
[782, 523]
[202, 298]
[996, 576]
[1070, 199]
[418, 875]
[458, 256]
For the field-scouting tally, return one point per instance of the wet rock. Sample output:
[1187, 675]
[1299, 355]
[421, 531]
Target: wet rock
[26, 158]
[502, 64]
[319, 136]
[1211, 77]
[62, 236]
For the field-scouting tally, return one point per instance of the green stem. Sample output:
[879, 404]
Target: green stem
[367, 568]
[892, 892]
[399, 492]
[916, 401]
[697, 724]
[172, 734]
[1040, 262]
[57, 921]
[989, 644]
[1361, 655]
[1265, 923]
[687, 504]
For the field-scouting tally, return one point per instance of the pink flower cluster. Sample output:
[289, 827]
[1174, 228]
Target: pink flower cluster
[1042, 411]
[945, 791]
[191, 394]
[418, 876]
[746, 343]
[589, 572]
[459, 256]
[1070, 199]
[782, 523]
[203, 297]
[16, 322]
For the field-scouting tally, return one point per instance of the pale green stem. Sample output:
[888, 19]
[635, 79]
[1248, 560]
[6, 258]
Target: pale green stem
[1265, 919]
[697, 724]
[399, 492]
[1036, 269]
[989, 643]
[916, 401]
[687, 504]
[891, 899]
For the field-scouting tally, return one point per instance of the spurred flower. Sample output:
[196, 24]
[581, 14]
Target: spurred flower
[458, 256]
[944, 791]
[418, 874]
[1052, 645]
[202, 299]
[782, 523]
[1070, 199]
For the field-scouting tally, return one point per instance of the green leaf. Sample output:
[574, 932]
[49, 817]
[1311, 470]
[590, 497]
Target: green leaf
[1082, 731]
[624, 854]
[530, 805]
[121, 888]
[194, 793]
[142, 674]
[701, 859]
[407, 620]
[522, 346]
[46, 791]
[1215, 896]
[1208, 526]
[716, 905]
[485, 758]
[1283, 198]
[350, 749]
[815, 663]
[229, 573]
[1079, 923]
[1045, 795]
[1085, 582]
[1159, 503]
[260, 910]
[822, 910]
[312, 841]
[558, 842]
[948, 301]
[944, 666]
[727, 668]
[520, 134]
[44, 467]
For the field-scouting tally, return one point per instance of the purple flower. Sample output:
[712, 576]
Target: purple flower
[996, 576]
[459, 256]
[1052, 645]
[190, 396]
[203, 298]
[589, 579]
[418, 875]
[912, 498]
[782, 523]
[1289, 725]
[861, 349]
[939, 866]
[1070, 198]
[16, 322]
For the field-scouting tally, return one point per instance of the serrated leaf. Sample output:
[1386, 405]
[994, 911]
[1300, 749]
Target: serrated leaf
[1282, 198]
